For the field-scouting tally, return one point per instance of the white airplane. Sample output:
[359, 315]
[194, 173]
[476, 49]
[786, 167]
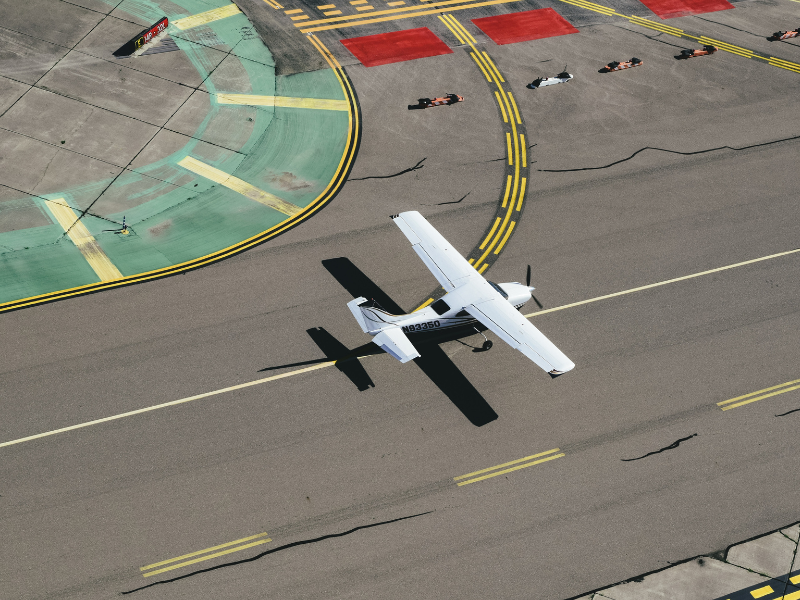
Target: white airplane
[470, 300]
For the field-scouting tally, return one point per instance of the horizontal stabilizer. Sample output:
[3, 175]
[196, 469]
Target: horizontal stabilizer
[353, 305]
[393, 341]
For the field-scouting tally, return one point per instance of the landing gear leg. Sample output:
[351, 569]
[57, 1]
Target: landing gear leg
[487, 343]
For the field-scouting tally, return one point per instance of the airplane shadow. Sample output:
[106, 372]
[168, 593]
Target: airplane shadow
[433, 361]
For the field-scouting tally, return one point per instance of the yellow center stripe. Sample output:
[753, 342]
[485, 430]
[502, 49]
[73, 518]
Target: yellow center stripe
[191, 554]
[497, 220]
[208, 557]
[207, 17]
[83, 240]
[480, 66]
[450, 27]
[238, 185]
[757, 398]
[509, 470]
[507, 464]
[283, 101]
[508, 144]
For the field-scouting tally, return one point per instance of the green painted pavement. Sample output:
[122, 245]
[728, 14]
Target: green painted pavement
[175, 215]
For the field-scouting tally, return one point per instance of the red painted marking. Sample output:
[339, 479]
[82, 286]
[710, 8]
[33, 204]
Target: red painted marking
[397, 46]
[669, 9]
[524, 26]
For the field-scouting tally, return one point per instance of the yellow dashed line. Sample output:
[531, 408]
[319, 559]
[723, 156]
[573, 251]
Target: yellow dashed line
[83, 240]
[524, 149]
[508, 143]
[505, 201]
[326, 7]
[299, 17]
[333, 12]
[496, 222]
[505, 237]
[238, 185]
[521, 193]
[483, 268]
[294, 11]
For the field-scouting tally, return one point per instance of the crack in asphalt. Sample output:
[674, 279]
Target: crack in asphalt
[278, 549]
[788, 413]
[672, 446]
[789, 139]
[416, 167]
[454, 201]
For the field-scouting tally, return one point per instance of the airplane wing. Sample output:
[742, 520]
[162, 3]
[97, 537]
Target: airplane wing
[499, 316]
[447, 265]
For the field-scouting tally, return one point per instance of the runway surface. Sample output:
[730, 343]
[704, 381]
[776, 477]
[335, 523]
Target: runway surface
[374, 479]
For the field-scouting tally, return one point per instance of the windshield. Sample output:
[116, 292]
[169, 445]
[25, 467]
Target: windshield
[499, 289]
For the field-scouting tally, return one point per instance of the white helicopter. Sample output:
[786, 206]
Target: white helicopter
[470, 300]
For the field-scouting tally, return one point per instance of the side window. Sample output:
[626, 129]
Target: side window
[440, 306]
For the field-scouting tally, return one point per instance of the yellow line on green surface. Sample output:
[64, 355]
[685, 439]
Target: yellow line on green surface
[283, 101]
[239, 185]
[660, 283]
[83, 240]
[207, 17]
[509, 470]
[207, 557]
[191, 554]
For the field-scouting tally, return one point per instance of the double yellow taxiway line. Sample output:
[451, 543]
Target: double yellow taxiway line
[327, 364]
[775, 390]
[206, 554]
[496, 470]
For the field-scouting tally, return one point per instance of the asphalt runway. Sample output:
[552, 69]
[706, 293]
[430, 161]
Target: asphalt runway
[350, 471]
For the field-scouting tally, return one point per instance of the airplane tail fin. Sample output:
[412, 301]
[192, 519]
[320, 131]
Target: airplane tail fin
[371, 316]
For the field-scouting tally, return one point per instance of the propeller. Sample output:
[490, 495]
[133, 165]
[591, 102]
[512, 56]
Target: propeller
[528, 283]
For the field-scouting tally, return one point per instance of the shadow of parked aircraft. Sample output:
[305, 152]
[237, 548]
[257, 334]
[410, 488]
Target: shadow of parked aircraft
[433, 361]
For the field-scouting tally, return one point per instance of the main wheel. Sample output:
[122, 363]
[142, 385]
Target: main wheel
[487, 345]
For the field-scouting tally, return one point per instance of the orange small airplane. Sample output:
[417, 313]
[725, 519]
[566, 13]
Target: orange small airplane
[626, 64]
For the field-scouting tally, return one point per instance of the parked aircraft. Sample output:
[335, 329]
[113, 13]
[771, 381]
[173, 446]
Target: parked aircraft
[470, 302]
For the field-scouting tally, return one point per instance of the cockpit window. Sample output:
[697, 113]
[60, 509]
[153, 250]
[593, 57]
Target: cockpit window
[440, 306]
[499, 289]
